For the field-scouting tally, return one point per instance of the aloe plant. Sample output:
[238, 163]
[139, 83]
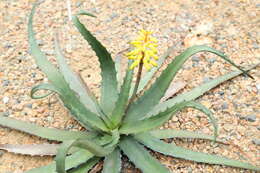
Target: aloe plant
[122, 121]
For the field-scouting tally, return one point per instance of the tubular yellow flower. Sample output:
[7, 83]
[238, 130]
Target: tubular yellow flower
[144, 50]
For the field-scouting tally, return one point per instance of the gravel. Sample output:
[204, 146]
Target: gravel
[224, 105]
[5, 99]
[229, 26]
[256, 141]
[195, 58]
[250, 118]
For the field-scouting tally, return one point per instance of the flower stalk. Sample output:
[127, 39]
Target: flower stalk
[138, 79]
[143, 54]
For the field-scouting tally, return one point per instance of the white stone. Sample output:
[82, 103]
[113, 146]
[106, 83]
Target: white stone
[5, 99]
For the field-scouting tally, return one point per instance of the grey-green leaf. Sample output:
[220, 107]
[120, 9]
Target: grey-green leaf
[75, 83]
[140, 126]
[122, 100]
[89, 145]
[83, 12]
[118, 67]
[173, 133]
[49, 69]
[207, 112]
[85, 167]
[70, 100]
[141, 157]
[31, 149]
[179, 152]
[44, 86]
[144, 104]
[198, 91]
[109, 92]
[72, 161]
[158, 120]
[43, 132]
[112, 162]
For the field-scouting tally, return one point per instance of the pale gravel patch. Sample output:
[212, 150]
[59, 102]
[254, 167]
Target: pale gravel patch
[231, 28]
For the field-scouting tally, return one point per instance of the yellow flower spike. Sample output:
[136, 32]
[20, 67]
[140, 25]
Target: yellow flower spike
[153, 63]
[144, 50]
[135, 64]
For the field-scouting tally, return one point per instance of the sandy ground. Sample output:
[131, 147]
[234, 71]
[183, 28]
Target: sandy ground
[229, 26]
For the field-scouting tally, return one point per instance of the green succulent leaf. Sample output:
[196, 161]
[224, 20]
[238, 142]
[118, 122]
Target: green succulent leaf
[44, 86]
[122, 100]
[118, 67]
[75, 83]
[159, 119]
[49, 69]
[179, 152]
[109, 92]
[150, 74]
[141, 157]
[207, 112]
[142, 105]
[89, 145]
[72, 161]
[70, 100]
[139, 126]
[78, 85]
[112, 162]
[61, 155]
[83, 12]
[198, 91]
[43, 132]
[173, 133]
[85, 167]
[115, 138]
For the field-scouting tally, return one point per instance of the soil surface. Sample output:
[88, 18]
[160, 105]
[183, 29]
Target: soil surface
[229, 26]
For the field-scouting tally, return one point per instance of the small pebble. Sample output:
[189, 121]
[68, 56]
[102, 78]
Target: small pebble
[125, 18]
[49, 52]
[228, 127]
[94, 10]
[189, 170]
[221, 92]
[256, 141]
[33, 74]
[251, 118]
[6, 114]
[18, 107]
[195, 64]
[49, 119]
[195, 58]
[211, 60]
[258, 88]
[224, 105]
[8, 46]
[223, 46]
[175, 119]
[39, 42]
[5, 99]
[1, 153]
[28, 105]
[114, 15]
[69, 127]
[206, 79]
[258, 128]
[6, 82]
[255, 46]
[78, 4]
